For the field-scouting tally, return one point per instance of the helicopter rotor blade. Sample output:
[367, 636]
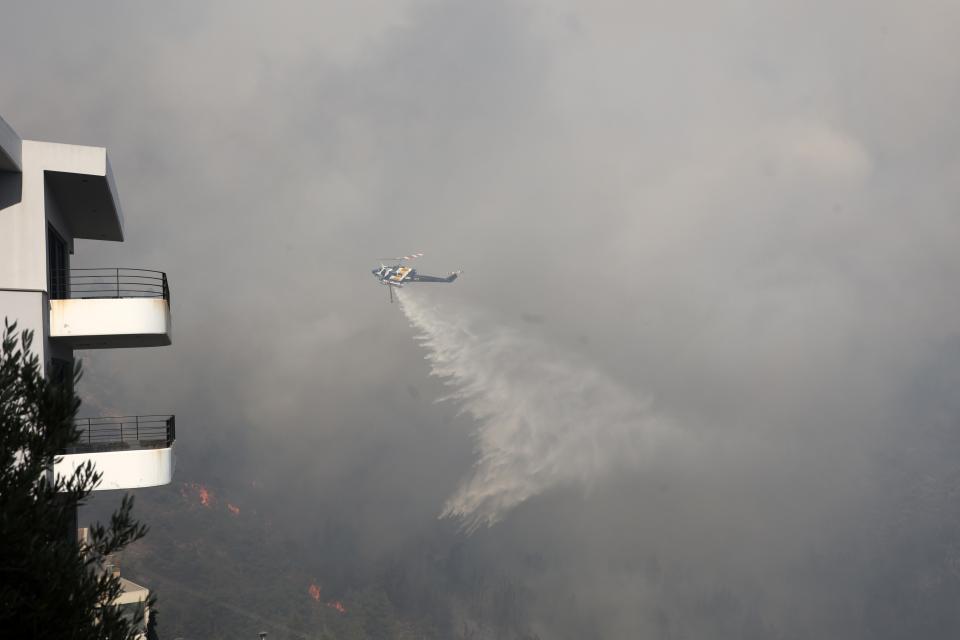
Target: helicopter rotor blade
[412, 256]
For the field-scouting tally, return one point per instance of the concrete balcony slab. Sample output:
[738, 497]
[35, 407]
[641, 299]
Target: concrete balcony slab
[107, 323]
[129, 451]
[131, 469]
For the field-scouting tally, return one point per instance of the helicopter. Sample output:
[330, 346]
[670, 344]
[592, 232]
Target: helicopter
[399, 274]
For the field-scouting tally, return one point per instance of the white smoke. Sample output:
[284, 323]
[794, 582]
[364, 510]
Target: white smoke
[543, 420]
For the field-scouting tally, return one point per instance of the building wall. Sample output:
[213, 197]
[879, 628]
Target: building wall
[21, 245]
[27, 206]
[23, 224]
[23, 234]
[12, 216]
[71, 188]
[28, 310]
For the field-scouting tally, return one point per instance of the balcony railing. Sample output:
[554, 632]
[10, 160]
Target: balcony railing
[108, 282]
[124, 432]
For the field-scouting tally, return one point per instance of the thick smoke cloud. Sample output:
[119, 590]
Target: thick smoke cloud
[739, 216]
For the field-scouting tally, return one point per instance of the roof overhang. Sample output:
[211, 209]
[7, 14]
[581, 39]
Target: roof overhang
[89, 203]
[10, 148]
[82, 183]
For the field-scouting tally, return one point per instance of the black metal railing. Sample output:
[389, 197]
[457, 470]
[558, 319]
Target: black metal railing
[124, 432]
[108, 282]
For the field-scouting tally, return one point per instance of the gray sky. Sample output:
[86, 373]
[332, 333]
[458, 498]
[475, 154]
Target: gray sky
[740, 218]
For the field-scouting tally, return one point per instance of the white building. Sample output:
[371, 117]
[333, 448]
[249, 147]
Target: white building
[51, 195]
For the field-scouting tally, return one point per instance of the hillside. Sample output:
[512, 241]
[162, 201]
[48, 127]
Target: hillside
[224, 565]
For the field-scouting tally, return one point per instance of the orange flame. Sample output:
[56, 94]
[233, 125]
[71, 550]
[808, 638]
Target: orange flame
[205, 495]
[234, 510]
[336, 604]
[314, 592]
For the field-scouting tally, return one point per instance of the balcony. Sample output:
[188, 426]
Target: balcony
[110, 308]
[129, 451]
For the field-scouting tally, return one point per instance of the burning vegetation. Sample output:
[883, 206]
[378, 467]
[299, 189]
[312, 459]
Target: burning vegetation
[315, 593]
[195, 490]
[210, 545]
[200, 494]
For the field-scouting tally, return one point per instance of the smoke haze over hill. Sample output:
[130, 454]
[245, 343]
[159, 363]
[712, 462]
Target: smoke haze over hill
[703, 357]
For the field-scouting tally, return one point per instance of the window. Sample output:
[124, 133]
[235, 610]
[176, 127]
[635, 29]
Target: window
[58, 263]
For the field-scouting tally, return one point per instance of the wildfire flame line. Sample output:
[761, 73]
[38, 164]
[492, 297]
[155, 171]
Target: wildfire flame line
[205, 496]
[314, 591]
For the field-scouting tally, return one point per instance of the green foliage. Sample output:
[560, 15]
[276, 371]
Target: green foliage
[50, 586]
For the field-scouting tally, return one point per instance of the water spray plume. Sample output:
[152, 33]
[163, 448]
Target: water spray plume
[543, 420]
